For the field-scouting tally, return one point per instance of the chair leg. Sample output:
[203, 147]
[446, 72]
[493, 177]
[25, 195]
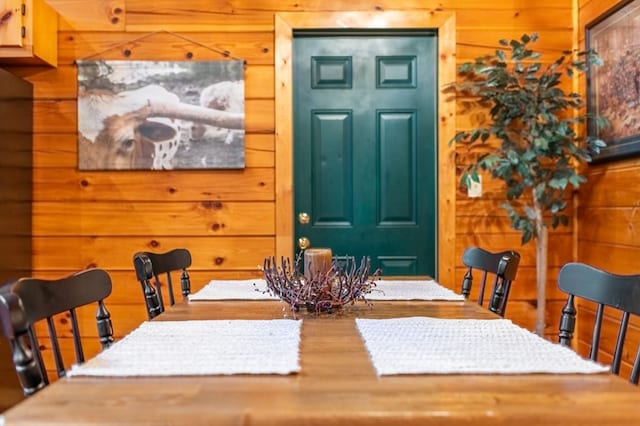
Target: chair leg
[497, 298]
[466, 283]
[567, 322]
[105, 327]
[151, 300]
[185, 283]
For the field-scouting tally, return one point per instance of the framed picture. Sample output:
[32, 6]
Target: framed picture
[613, 89]
[161, 115]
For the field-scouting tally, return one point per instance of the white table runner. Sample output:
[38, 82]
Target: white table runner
[411, 290]
[254, 289]
[421, 345]
[183, 348]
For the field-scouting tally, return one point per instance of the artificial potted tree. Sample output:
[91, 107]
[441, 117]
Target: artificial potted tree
[533, 139]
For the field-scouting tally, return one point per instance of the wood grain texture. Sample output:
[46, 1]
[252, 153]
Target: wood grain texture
[97, 15]
[153, 217]
[110, 252]
[72, 223]
[336, 385]
[54, 184]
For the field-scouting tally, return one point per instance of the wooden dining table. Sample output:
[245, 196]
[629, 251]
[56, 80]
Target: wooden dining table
[336, 384]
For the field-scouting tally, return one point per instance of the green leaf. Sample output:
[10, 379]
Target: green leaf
[465, 68]
[513, 157]
[541, 143]
[560, 183]
[576, 180]
[533, 68]
[531, 213]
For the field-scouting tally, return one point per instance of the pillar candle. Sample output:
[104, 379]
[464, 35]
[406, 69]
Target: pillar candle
[316, 261]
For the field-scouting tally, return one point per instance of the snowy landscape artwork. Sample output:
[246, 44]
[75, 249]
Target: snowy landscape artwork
[160, 115]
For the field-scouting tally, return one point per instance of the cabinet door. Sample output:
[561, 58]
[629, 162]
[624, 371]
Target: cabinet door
[11, 23]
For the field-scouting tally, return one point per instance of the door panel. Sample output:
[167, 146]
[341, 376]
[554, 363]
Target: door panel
[333, 191]
[397, 170]
[364, 146]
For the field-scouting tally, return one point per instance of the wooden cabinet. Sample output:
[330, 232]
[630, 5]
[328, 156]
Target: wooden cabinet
[28, 33]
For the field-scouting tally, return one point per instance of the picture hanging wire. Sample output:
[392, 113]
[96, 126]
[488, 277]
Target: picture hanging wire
[188, 55]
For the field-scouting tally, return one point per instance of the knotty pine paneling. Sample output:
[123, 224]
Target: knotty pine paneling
[115, 252]
[166, 209]
[104, 218]
[611, 185]
[52, 184]
[619, 259]
[599, 227]
[254, 47]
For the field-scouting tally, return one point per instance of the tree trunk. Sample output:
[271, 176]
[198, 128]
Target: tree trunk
[541, 270]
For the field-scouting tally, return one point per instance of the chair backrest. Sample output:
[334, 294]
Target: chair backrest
[150, 265]
[620, 292]
[27, 301]
[503, 266]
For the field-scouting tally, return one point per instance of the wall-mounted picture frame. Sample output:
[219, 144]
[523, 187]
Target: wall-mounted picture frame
[613, 89]
[161, 115]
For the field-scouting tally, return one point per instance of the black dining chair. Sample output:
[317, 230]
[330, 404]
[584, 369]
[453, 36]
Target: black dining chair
[28, 301]
[614, 292]
[150, 265]
[503, 266]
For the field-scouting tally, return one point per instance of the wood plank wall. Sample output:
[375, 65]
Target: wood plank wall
[608, 223]
[226, 218]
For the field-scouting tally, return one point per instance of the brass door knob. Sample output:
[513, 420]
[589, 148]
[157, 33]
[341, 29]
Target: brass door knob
[303, 243]
[303, 218]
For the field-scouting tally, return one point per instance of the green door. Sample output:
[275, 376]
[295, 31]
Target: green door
[365, 137]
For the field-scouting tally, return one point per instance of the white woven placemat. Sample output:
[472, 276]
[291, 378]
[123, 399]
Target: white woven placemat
[183, 348]
[255, 289]
[411, 290]
[421, 345]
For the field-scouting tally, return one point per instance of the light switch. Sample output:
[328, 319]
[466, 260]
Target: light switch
[475, 188]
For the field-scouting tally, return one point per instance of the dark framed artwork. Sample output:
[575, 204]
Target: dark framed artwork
[161, 115]
[613, 89]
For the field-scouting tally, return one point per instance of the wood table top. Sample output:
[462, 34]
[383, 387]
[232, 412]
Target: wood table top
[336, 385]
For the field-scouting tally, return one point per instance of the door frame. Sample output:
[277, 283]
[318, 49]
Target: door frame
[444, 23]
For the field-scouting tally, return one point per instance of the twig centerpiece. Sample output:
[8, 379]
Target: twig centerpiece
[325, 290]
